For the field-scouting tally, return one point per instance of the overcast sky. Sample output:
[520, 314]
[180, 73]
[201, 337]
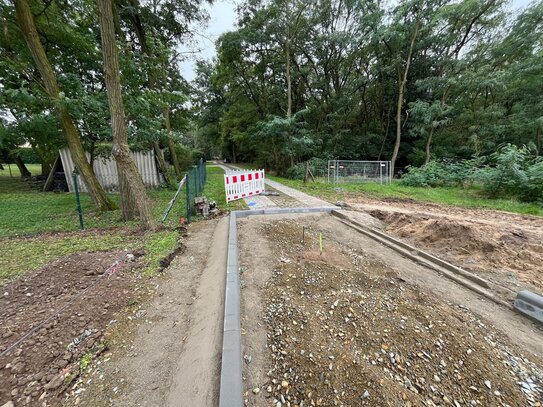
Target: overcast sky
[223, 18]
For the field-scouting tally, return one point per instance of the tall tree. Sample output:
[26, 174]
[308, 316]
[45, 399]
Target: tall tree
[413, 27]
[70, 131]
[132, 187]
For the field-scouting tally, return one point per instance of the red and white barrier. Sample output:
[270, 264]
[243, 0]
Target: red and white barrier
[240, 184]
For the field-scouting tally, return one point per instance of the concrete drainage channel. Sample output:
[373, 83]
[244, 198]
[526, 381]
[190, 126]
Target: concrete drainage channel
[231, 387]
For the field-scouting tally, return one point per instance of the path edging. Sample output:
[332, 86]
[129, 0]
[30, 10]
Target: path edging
[231, 388]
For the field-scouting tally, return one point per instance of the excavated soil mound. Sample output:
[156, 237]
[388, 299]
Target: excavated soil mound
[61, 311]
[480, 247]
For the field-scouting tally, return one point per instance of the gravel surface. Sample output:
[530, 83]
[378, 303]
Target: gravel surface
[342, 328]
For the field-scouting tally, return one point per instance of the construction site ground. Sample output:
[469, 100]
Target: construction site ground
[356, 325]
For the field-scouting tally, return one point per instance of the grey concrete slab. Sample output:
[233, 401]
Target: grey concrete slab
[530, 304]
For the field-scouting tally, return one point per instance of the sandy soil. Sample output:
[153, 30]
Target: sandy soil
[503, 247]
[360, 325]
[167, 351]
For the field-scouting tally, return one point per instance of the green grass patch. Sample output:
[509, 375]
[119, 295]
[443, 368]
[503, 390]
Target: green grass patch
[214, 190]
[20, 255]
[157, 246]
[26, 213]
[35, 169]
[462, 197]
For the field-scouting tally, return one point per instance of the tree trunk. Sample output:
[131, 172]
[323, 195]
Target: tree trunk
[287, 75]
[428, 143]
[139, 30]
[385, 134]
[401, 88]
[289, 97]
[71, 133]
[22, 167]
[128, 201]
[171, 144]
[161, 161]
[234, 159]
[130, 181]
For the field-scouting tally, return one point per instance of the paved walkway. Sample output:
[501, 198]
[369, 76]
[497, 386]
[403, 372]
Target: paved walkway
[302, 197]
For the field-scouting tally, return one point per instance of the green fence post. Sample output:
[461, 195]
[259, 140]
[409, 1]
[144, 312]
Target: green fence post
[78, 202]
[197, 183]
[188, 196]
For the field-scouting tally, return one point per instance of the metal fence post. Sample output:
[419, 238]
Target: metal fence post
[188, 196]
[197, 180]
[77, 200]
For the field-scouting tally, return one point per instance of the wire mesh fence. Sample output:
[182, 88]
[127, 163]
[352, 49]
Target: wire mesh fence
[347, 171]
[196, 179]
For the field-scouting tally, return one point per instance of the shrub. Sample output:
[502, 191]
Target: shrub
[511, 171]
[316, 165]
[515, 172]
[441, 173]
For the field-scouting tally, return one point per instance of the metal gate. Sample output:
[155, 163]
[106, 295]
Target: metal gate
[344, 171]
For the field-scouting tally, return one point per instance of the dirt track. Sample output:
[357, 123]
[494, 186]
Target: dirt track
[360, 325]
[174, 358]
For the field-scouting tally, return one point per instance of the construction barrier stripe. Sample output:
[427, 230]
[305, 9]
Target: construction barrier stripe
[243, 183]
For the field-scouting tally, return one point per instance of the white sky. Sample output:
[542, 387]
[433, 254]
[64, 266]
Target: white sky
[223, 18]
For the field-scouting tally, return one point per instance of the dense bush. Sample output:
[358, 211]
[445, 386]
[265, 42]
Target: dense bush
[514, 172]
[511, 171]
[441, 173]
[316, 165]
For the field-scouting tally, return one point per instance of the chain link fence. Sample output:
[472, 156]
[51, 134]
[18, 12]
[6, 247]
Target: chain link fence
[347, 171]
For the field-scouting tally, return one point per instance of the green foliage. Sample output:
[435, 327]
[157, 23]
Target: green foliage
[516, 172]
[85, 361]
[297, 171]
[282, 140]
[28, 156]
[441, 174]
[474, 82]
[512, 171]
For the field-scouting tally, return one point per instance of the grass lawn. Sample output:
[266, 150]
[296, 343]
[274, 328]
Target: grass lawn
[463, 197]
[26, 214]
[214, 190]
[35, 169]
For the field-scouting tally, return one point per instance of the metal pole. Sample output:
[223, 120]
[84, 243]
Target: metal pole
[188, 197]
[78, 202]
[197, 181]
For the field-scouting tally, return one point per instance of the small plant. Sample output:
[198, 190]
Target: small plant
[85, 361]
[132, 302]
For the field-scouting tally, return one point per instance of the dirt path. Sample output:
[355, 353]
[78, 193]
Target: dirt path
[174, 358]
[361, 325]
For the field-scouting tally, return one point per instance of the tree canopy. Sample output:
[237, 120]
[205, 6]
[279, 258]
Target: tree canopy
[355, 80]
